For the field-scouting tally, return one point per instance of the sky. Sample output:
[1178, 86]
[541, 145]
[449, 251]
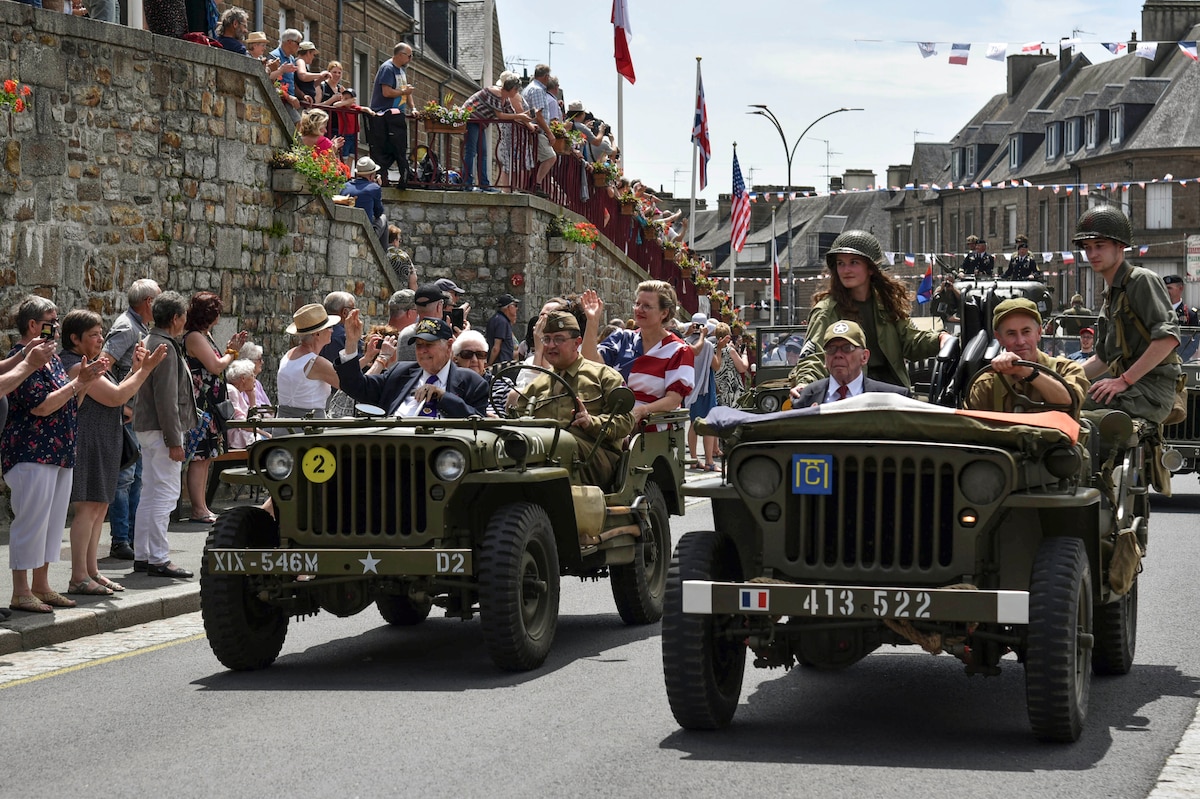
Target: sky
[803, 58]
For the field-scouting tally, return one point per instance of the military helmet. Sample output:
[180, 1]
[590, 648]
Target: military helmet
[856, 242]
[1104, 222]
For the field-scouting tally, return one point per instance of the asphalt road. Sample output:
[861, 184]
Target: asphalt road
[355, 708]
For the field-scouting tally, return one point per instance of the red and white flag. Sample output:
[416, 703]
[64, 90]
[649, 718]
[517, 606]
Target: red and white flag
[621, 34]
[910, 259]
[700, 130]
[959, 53]
[1189, 50]
[1032, 47]
[1068, 258]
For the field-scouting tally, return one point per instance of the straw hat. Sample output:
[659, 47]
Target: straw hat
[311, 318]
[256, 37]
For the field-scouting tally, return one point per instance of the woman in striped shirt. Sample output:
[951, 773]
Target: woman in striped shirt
[657, 364]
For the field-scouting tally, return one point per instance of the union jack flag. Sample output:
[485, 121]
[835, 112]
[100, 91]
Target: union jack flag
[700, 132]
[739, 210]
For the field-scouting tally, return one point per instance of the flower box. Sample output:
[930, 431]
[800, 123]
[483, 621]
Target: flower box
[559, 244]
[562, 145]
[287, 181]
[439, 127]
[599, 180]
[627, 209]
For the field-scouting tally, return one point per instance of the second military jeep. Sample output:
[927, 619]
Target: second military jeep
[886, 521]
[477, 516]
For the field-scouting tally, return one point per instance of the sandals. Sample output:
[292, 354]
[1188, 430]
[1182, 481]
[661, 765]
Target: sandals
[30, 604]
[107, 583]
[88, 587]
[209, 519]
[55, 599]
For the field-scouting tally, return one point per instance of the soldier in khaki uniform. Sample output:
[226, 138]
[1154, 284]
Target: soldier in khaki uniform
[1018, 327]
[561, 340]
[1136, 368]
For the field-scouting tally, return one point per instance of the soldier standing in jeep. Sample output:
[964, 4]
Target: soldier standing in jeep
[1138, 330]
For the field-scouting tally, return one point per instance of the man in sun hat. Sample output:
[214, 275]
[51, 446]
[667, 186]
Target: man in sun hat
[431, 386]
[1017, 325]
[846, 355]
[368, 196]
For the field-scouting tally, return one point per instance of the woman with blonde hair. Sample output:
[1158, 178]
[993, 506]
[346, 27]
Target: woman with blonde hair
[312, 132]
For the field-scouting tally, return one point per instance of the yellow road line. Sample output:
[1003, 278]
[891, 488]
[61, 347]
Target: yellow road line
[100, 661]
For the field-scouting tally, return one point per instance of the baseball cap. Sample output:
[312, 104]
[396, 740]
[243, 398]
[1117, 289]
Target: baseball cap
[505, 300]
[1087, 330]
[845, 329]
[446, 284]
[402, 300]
[1017, 305]
[431, 330]
[427, 294]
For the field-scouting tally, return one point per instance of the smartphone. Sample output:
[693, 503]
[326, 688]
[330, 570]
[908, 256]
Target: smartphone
[456, 318]
[49, 329]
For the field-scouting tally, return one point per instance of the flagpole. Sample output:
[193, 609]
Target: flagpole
[774, 262]
[695, 164]
[623, 160]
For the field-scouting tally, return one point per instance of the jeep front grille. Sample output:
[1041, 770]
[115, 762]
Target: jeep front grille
[1189, 428]
[887, 513]
[378, 491]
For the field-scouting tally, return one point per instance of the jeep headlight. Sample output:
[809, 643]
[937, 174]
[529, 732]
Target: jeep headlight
[982, 482]
[759, 476]
[278, 463]
[768, 403]
[449, 465]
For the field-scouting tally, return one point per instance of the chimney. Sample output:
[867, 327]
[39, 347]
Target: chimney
[898, 174]
[1065, 55]
[858, 179]
[1020, 67]
[1168, 20]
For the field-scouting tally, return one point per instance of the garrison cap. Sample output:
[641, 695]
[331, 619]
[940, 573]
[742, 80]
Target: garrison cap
[561, 322]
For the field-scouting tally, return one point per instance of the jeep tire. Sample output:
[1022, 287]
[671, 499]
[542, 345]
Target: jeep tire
[1116, 635]
[244, 632]
[518, 586]
[1058, 647]
[638, 587]
[702, 666]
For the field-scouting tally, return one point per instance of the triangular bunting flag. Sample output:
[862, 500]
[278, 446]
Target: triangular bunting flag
[1147, 50]
[1189, 50]
[927, 48]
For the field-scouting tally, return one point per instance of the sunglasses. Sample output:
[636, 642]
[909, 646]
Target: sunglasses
[468, 355]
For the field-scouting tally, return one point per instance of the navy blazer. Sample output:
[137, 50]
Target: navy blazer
[466, 392]
[814, 393]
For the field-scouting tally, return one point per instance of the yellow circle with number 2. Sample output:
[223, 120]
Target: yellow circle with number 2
[318, 464]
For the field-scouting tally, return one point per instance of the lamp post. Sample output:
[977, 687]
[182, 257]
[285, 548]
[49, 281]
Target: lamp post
[763, 111]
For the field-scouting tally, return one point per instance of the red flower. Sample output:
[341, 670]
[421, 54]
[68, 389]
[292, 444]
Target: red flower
[10, 86]
[25, 90]
[20, 105]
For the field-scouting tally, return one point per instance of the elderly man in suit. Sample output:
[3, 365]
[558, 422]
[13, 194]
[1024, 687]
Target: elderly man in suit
[432, 386]
[846, 354]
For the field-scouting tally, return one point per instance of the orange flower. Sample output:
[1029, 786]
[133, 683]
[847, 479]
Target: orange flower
[20, 106]
[10, 86]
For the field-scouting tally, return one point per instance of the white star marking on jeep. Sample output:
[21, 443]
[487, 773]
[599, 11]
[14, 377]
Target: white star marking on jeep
[369, 563]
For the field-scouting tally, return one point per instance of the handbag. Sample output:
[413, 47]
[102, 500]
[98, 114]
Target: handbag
[131, 450]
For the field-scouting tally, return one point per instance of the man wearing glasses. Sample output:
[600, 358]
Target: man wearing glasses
[544, 398]
[846, 354]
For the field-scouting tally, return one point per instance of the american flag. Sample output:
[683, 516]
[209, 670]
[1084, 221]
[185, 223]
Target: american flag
[739, 211]
[700, 130]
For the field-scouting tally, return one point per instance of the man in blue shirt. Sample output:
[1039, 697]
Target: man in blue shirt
[368, 196]
[388, 132]
[499, 334]
[289, 45]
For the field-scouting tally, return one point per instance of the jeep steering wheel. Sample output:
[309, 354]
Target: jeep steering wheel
[517, 368]
[1026, 403]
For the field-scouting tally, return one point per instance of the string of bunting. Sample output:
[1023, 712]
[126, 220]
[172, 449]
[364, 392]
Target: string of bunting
[960, 52]
[1084, 189]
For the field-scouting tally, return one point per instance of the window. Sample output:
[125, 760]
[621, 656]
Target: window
[753, 254]
[955, 231]
[283, 21]
[934, 241]
[1014, 152]
[968, 227]
[1158, 206]
[307, 30]
[897, 241]
[363, 79]
[1065, 226]
[453, 48]
[1044, 225]
[1053, 140]
[1116, 124]
[991, 222]
[1010, 224]
[1071, 145]
[1091, 130]
[908, 236]
[956, 164]
[922, 236]
[970, 161]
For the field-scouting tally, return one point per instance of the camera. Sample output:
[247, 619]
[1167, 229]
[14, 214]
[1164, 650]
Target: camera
[49, 329]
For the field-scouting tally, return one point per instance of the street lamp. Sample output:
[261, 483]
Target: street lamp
[763, 111]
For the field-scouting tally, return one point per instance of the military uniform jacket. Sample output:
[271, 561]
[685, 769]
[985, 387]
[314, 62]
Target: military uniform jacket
[592, 382]
[979, 263]
[896, 342]
[1153, 395]
[988, 395]
[1187, 316]
[1022, 267]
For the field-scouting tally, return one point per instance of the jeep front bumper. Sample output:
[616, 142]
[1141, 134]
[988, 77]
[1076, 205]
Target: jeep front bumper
[856, 602]
[340, 562]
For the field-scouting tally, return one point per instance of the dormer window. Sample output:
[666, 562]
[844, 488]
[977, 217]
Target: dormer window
[1116, 124]
[1091, 127]
[1073, 135]
[1053, 140]
[956, 163]
[970, 161]
[1014, 152]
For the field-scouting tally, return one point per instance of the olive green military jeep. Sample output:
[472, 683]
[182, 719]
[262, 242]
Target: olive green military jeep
[779, 348]
[479, 515]
[886, 521]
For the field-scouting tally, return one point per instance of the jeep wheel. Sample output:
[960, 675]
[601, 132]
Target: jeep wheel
[518, 586]
[244, 632]
[1058, 648]
[1116, 635]
[702, 665]
[403, 611]
[639, 586]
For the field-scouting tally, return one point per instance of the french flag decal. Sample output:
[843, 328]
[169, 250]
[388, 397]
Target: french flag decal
[755, 599]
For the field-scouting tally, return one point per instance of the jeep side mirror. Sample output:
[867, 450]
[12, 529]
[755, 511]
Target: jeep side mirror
[620, 400]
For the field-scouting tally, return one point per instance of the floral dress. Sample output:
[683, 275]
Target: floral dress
[209, 390]
[729, 381]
